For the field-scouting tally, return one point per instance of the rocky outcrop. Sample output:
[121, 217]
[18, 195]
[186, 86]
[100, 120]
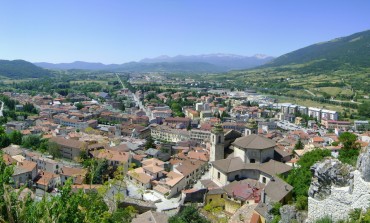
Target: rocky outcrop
[289, 214]
[330, 172]
[337, 189]
[269, 217]
[363, 164]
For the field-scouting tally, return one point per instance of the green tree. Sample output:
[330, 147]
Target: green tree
[149, 143]
[301, 202]
[98, 171]
[6, 173]
[122, 107]
[30, 108]
[43, 147]
[54, 149]
[187, 215]
[16, 137]
[348, 140]
[364, 109]
[31, 141]
[300, 177]
[79, 106]
[4, 140]
[350, 150]
[299, 145]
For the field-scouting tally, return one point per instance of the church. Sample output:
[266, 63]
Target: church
[253, 158]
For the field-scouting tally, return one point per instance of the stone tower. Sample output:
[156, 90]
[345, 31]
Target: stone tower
[217, 143]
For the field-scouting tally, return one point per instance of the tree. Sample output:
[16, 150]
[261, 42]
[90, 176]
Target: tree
[79, 106]
[350, 150]
[301, 202]
[299, 145]
[31, 141]
[122, 107]
[364, 109]
[189, 214]
[54, 149]
[300, 177]
[349, 140]
[16, 137]
[98, 171]
[4, 140]
[149, 143]
[6, 173]
[30, 108]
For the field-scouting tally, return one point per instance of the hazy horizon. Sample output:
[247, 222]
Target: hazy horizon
[124, 31]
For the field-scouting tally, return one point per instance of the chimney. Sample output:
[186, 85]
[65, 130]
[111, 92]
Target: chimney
[263, 196]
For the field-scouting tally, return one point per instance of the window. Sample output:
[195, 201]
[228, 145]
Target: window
[264, 180]
[222, 196]
[218, 175]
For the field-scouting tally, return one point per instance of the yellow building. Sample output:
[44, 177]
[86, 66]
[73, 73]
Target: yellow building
[214, 195]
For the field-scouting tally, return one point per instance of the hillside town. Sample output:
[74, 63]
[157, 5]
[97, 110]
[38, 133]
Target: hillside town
[215, 148]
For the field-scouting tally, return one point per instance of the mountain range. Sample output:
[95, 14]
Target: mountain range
[350, 52]
[180, 63]
[21, 69]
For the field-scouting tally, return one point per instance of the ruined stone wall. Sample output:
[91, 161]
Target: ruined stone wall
[341, 200]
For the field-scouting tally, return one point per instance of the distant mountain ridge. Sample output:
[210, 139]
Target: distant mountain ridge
[197, 63]
[341, 53]
[74, 65]
[21, 69]
[231, 61]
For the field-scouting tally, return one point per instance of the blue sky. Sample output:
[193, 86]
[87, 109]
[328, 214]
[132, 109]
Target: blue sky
[117, 31]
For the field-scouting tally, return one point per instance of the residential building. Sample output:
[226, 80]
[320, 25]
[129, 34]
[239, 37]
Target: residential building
[171, 184]
[150, 217]
[178, 120]
[361, 125]
[47, 180]
[24, 173]
[242, 192]
[330, 124]
[15, 125]
[114, 158]
[77, 175]
[152, 169]
[165, 133]
[238, 126]
[200, 136]
[69, 148]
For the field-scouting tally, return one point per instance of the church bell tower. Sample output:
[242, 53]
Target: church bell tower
[217, 143]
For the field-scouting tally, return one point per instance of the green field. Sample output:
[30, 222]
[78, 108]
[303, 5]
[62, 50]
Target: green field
[333, 91]
[90, 81]
[309, 103]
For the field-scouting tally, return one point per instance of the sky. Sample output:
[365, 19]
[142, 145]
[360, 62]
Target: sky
[118, 31]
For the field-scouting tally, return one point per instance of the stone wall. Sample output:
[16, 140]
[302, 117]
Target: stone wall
[341, 200]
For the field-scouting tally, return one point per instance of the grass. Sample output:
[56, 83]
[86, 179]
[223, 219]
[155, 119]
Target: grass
[10, 81]
[332, 91]
[309, 103]
[90, 81]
